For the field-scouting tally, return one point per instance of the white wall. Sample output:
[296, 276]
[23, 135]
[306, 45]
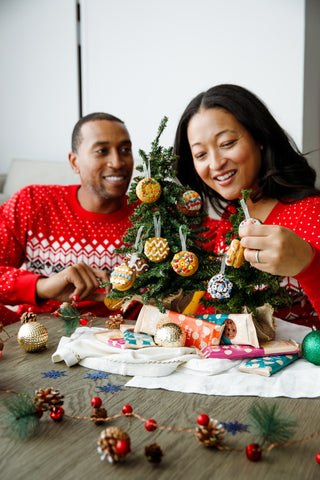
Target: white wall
[145, 59]
[39, 92]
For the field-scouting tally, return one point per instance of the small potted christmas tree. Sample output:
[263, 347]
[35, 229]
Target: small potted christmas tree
[164, 254]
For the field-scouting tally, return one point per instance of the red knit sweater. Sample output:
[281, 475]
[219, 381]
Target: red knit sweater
[303, 217]
[44, 229]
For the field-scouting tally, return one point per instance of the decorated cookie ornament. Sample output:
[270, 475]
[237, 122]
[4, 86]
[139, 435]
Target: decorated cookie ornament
[219, 287]
[190, 203]
[156, 249]
[133, 259]
[235, 254]
[184, 263]
[140, 265]
[122, 277]
[148, 190]
[248, 219]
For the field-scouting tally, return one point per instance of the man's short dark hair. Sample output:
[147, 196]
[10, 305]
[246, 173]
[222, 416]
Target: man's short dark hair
[76, 138]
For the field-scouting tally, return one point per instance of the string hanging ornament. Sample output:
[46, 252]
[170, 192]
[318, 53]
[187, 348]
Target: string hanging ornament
[156, 249]
[184, 263]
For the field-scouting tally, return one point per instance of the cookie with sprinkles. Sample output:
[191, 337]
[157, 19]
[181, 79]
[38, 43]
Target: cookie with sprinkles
[122, 277]
[148, 190]
[190, 203]
[185, 263]
[156, 249]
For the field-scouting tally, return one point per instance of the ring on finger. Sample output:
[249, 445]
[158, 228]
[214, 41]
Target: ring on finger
[257, 256]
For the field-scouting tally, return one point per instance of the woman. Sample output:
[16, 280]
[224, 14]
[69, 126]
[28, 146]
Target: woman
[228, 141]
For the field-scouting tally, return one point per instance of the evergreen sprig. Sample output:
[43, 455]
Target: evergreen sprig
[22, 420]
[70, 317]
[269, 424]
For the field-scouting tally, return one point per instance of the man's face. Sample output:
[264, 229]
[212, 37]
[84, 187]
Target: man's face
[104, 162]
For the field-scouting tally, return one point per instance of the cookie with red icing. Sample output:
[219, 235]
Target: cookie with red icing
[185, 263]
[190, 203]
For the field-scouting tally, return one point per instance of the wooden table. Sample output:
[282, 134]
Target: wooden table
[68, 449]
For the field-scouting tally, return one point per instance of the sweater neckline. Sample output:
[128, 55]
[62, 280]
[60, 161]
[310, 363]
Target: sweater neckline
[98, 217]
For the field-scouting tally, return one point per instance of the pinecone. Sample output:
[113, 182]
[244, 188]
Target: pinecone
[212, 434]
[98, 413]
[107, 443]
[47, 398]
[28, 317]
[153, 453]
[115, 321]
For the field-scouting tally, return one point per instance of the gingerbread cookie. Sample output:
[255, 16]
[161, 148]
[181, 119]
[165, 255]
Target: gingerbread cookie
[156, 249]
[140, 265]
[191, 203]
[185, 263]
[148, 190]
[122, 277]
[235, 254]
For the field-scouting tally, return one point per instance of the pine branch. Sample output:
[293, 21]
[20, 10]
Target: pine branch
[269, 424]
[22, 420]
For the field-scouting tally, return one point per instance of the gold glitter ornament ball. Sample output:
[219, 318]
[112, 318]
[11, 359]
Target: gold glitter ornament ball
[32, 336]
[170, 335]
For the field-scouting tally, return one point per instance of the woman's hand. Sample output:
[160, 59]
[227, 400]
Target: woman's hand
[274, 249]
[79, 279]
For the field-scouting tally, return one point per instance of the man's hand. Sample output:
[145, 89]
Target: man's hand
[79, 279]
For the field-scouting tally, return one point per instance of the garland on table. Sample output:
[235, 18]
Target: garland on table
[271, 427]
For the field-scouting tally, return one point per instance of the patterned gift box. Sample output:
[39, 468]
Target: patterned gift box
[235, 352]
[267, 366]
[239, 328]
[137, 340]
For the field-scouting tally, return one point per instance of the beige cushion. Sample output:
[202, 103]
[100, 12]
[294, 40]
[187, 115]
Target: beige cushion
[37, 172]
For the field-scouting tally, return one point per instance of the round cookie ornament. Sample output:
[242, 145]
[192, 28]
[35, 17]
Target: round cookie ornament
[248, 219]
[190, 203]
[148, 190]
[156, 249]
[122, 277]
[185, 263]
[219, 287]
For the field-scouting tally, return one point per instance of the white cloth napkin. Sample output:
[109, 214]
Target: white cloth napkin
[182, 369]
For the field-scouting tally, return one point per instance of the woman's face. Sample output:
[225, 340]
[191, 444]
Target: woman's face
[225, 155]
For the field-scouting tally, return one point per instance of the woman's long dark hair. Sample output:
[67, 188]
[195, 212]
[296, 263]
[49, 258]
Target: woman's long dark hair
[284, 174]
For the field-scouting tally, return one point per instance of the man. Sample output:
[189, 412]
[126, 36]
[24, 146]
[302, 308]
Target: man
[59, 241]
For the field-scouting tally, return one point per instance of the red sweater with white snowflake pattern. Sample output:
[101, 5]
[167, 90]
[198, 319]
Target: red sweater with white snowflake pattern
[302, 217]
[44, 229]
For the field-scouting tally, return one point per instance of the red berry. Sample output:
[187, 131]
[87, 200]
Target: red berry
[254, 452]
[126, 409]
[39, 412]
[318, 457]
[83, 321]
[56, 313]
[30, 309]
[96, 402]
[75, 298]
[203, 419]
[151, 425]
[57, 414]
[122, 447]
